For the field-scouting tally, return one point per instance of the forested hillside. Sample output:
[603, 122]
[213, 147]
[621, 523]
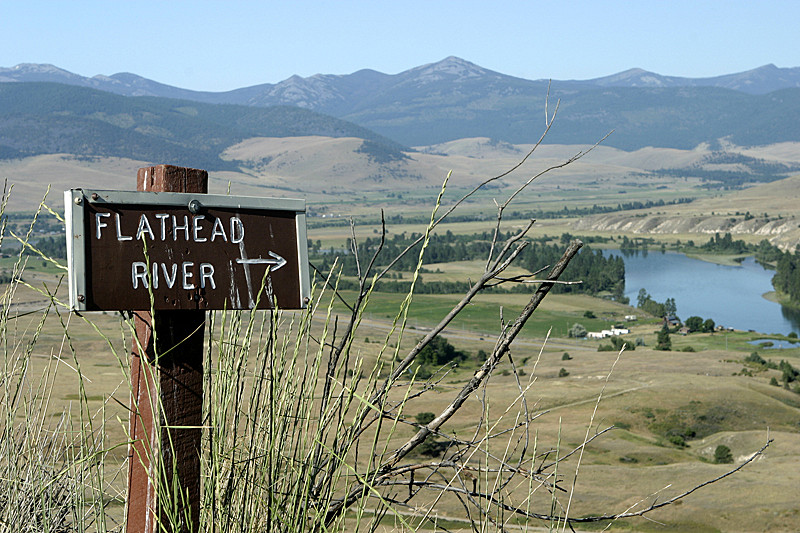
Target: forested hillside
[46, 118]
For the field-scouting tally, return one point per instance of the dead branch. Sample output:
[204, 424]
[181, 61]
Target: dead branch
[674, 499]
[481, 374]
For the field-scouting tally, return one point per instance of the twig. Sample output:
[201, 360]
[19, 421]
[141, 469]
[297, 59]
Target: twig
[672, 500]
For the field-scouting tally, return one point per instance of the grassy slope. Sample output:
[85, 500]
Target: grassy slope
[667, 385]
[338, 181]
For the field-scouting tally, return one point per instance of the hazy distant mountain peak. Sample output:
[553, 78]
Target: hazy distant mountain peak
[308, 93]
[454, 98]
[635, 77]
[456, 65]
[451, 68]
[38, 72]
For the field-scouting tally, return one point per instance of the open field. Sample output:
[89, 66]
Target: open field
[339, 180]
[645, 395]
[649, 396]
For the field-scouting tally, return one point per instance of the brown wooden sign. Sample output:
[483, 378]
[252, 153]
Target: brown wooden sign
[143, 250]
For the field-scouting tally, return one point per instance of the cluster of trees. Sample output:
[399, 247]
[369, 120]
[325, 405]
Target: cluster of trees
[697, 324]
[439, 352]
[765, 253]
[646, 303]
[422, 286]
[759, 170]
[380, 153]
[789, 374]
[55, 247]
[600, 209]
[564, 212]
[726, 244]
[597, 273]
[787, 277]
[616, 345]
[442, 248]
[636, 244]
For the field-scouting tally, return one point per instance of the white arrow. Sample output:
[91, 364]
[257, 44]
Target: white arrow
[276, 260]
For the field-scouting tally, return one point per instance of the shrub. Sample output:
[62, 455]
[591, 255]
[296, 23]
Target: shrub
[439, 352]
[431, 448]
[577, 331]
[566, 357]
[722, 455]
[677, 440]
[424, 418]
[563, 373]
[616, 345]
[755, 358]
[619, 342]
[694, 323]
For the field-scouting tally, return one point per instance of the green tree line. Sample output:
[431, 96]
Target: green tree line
[787, 277]
[597, 273]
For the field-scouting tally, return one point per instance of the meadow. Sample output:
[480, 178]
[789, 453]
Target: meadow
[557, 429]
[646, 396]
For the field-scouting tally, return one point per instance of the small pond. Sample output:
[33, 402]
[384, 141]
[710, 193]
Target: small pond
[772, 344]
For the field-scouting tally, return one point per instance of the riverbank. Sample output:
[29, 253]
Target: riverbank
[730, 294]
[718, 259]
[772, 296]
[778, 298]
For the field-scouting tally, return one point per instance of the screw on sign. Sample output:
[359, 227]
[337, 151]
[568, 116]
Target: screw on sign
[173, 249]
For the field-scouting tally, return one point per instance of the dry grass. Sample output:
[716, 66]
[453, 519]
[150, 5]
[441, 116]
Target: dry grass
[761, 497]
[623, 467]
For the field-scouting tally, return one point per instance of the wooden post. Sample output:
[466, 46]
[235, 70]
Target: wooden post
[167, 371]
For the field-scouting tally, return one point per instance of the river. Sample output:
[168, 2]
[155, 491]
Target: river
[730, 295]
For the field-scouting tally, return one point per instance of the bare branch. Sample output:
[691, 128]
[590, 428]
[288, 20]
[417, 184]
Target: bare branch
[508, 245]
[499, 351]
[481, 374]
[674, 499]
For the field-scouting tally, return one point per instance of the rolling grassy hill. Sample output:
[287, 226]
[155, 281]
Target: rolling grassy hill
[48, 118]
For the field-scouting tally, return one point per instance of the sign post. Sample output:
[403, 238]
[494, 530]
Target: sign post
[169, 252]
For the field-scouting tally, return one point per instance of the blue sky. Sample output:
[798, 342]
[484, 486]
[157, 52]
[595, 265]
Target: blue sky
[222, 45]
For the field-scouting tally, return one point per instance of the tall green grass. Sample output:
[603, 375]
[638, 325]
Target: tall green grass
[53, 474]
[302, 431]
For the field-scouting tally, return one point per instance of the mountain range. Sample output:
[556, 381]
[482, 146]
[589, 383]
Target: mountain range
[318, 91]
[44, 109]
